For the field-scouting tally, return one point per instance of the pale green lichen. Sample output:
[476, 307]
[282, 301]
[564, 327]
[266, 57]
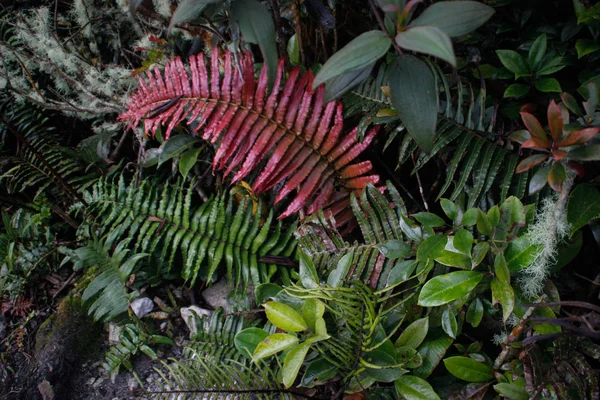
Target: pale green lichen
[549, 229]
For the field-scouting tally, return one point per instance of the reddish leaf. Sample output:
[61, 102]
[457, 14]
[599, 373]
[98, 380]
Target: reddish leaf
[556, 176]
[577, 167]
[555, 121]
[530, 162]
[527, 107]
[579, 137]
[558, 154]
[535, 143]
[300, 138]
[533, 126]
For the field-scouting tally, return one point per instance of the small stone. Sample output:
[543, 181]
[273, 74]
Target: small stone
[114, 332]
[132, 384]
[90, 381]
[98, 382]
[216, 295]
[189, 315]
[142, 306]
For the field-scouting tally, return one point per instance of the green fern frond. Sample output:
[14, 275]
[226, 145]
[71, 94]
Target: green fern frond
[379, 222]
[28, 170]
[478, 159]
[161, 220]
[214, 337]
[200, 378]
[111, 297]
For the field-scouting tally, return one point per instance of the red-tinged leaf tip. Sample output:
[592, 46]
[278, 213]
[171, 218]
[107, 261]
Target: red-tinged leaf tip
[535, 143]
[533, 126]
[520, 136]
[530, 162]
[579, 137]
[577, 167]
[558, 154]
[555, 121]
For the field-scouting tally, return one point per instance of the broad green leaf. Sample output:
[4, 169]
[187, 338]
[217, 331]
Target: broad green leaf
[468, 369]
[402, 271]
[556, 176]
[432, 351]
[340, 84]
[187, 161]
[414, 96]
[408, 357]
[414, 334]
[317, 372]
[539, 180]
[510, 391]
[537, 52]
[174, 146]
[292, 363]
[463, 241]
[383, 369]
[454, 18]
[256, 26]
[591, 152]
[394, 249]
[429, 219]
[548, 85]
[475, 313]
[501, 269]
[362, 51]
[583, 206]
[503, 294]
[449, 324]
[428, 40]
[552, 66]
[520, 254]
[479, 252]
[516, 90]
[340, 272]
[285, 317]
[469, 217]
[188, 10]
[512, 216]
[293, 50]
[449, 208]
[273, 344]
[446, 288]
[308, 272]
[312, 310]
[454, 259]
[246, 340]
[431, 247]
[411, 387]
[514, 62]
[484, 225]
[586, 46]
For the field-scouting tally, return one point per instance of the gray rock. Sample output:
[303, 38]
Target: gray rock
[142, 306]
[189, 315]
[216, 295]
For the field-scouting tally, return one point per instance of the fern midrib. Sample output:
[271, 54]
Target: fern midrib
[165, 221]
[270, 121]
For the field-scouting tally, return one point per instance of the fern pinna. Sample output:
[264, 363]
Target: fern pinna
[290, 126]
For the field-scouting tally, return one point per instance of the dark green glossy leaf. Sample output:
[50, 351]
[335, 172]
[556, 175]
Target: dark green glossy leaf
[428, 40]
[246, 340]
[414, 96]
[583, 206]
[446, 288]
[510, 391]
[414, 334]
[414, 388]
[284, 317]
[548, 85]
[537, 52]
[475, 312]
[516, 90]
[514, 62]
[449, 324]
[468, 369]
[455, 18]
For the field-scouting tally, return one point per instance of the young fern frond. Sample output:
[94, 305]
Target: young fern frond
[161, 220]
[478, 160]
[379, 223]
[289, 127]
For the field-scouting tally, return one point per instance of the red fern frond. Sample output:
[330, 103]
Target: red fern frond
[291, 128]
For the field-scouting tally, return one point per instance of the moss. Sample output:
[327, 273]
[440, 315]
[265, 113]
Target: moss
[72, 329]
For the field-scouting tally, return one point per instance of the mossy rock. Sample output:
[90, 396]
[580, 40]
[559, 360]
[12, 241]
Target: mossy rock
[71, 331]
